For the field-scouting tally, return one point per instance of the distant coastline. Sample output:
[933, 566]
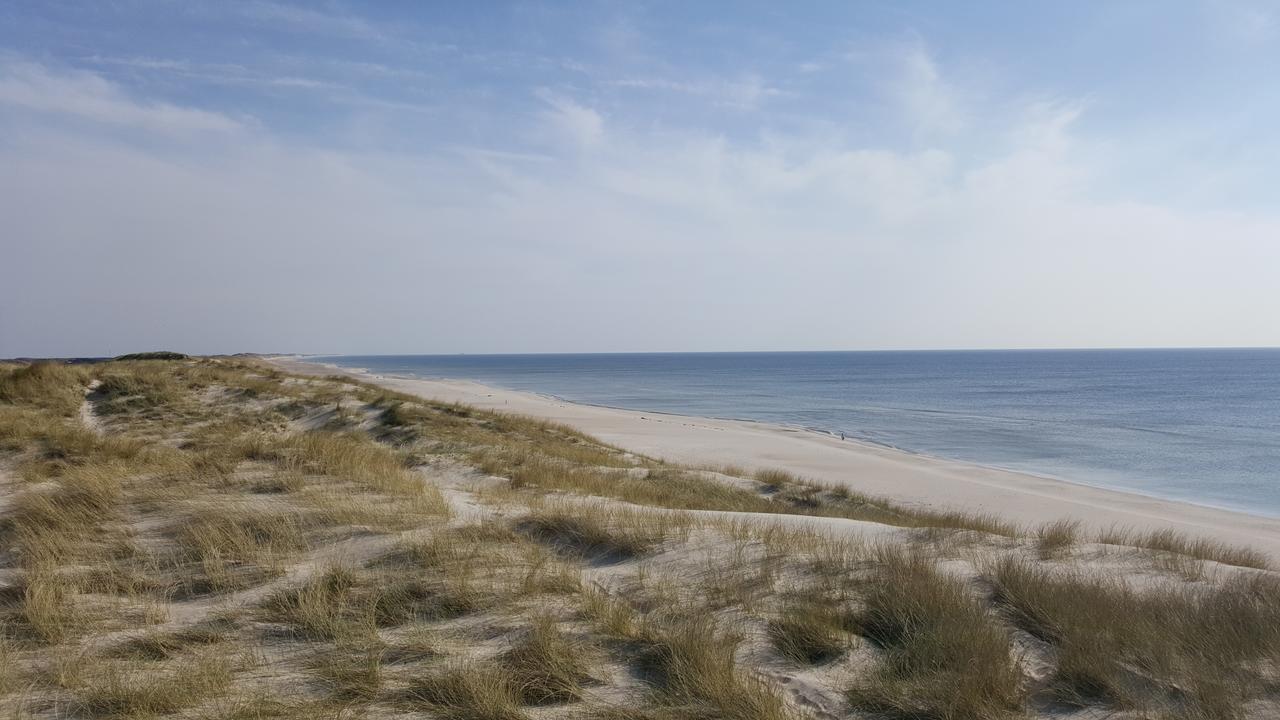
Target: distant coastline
[827, 433]
[916, 479]
[1153, 423]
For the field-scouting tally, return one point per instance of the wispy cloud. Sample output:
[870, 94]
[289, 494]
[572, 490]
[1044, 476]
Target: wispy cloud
[147, 63]
[308, 20]
[218, 73]
[336, 92]
[746, 92]
[88, 96]
[582, 127]
[928, 99]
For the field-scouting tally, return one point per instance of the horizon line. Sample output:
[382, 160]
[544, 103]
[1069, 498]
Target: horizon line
[786, 352]
[1120, 348]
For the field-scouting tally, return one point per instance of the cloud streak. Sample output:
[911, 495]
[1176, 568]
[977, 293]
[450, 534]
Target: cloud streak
[86, 96]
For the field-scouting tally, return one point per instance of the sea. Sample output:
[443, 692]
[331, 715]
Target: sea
[1201, 426]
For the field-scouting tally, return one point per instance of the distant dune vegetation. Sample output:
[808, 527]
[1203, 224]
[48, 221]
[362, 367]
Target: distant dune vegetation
[155, 355]
[214, 538]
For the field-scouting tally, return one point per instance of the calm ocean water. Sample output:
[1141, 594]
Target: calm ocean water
[1195, 425]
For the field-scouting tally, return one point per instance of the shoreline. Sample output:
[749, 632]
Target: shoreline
[904, 476]
[365, 373]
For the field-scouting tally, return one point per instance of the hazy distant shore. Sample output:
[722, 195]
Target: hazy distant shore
[878, 470]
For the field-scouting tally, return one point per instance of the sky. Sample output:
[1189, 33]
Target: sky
[406, 177]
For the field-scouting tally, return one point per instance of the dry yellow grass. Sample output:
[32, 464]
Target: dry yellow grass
[1169, 541]
[694, 668]
[55, 387]
[811, 629]
[466, 691]
[944, 656]
[236, 547]
[1158, 649]
[1055, 538]
[547, 666]
[352, 671]
[583, 533]
[323, 607]
[46, 608]
[121, 689]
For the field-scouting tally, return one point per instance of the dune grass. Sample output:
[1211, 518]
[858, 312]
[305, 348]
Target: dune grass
[57, 525]
[547, 666]
[351, 671]
[1171, 541]
[692, 665]
[689, 661]
[1165, 648]
[466, 691]
[139, 389]
[943, 655]
[590, 533]
[237, 547]
[396, 601]
[1055, 538]
[658, 485]
[322, 608]
[166, 645]
[125, 690]
[47, 611]
[154, 504]
[614, 617]
[653, 487]
[811, 630]
[350, 456]
[51, 386]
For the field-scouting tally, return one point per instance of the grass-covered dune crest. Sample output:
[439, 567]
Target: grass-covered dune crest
[216, 538]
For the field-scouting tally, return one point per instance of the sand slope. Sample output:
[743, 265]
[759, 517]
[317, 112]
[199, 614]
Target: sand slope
[908, 478]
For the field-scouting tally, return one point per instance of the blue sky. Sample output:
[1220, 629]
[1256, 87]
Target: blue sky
[490, 177]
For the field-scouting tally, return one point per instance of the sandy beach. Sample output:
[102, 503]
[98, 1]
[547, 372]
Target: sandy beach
[908, 478]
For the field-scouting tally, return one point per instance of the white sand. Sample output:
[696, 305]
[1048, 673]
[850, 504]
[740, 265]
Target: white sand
[872, 469]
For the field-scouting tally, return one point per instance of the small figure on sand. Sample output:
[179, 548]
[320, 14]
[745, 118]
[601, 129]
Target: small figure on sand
[841, 436]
